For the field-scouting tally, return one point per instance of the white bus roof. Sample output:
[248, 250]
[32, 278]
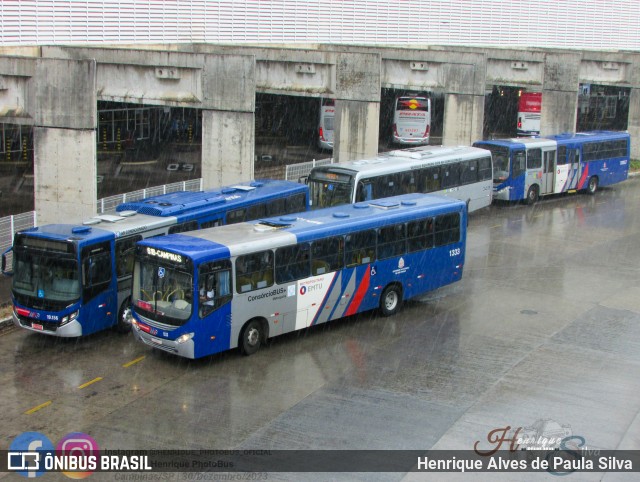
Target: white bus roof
[129, 222]
[408, 159]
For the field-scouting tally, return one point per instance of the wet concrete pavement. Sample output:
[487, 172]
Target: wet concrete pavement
[543, 328]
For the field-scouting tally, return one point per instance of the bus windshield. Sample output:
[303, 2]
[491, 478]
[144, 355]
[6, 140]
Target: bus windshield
[328, 189]
[49, 280]
[162, 293]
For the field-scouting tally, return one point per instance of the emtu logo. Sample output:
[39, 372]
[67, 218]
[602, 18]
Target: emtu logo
[26, 454]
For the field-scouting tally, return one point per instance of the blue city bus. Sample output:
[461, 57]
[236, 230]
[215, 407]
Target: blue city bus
[204, 292]
[527, 168]
[71, 280]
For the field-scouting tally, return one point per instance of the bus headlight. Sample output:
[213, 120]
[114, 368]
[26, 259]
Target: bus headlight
[134, 323]
[184, 338]
[70, 317]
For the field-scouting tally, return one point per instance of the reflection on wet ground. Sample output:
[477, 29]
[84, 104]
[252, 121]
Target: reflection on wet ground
[544, 326]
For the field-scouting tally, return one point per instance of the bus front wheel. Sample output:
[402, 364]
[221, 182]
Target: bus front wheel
[124, 313]
[391, 300]
[592, 187]
[532, 195]
[251, 337]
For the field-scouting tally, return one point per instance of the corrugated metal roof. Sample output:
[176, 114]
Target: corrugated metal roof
[586, 24]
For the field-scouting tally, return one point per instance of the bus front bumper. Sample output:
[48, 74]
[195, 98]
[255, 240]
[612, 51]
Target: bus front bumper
[69, 330]
[185, 349]
[502, 194]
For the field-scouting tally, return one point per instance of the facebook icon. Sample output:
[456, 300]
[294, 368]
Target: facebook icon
[26, 454]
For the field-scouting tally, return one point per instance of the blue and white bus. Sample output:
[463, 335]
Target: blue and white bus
[204, 292]
[527, 168]
[71, 280]
[459, 172]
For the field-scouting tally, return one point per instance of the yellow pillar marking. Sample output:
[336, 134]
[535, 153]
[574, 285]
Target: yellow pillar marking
[133, 362]
[35, 409]
[84, 385]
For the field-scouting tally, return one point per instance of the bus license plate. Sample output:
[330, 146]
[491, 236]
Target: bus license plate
[36, 326]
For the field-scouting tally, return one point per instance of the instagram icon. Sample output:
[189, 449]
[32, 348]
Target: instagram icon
[80, 446]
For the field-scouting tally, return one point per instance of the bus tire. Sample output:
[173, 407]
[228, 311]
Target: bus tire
[592, 187]
[533, 195]
[251, 337]
[391, 300]
[123, 324]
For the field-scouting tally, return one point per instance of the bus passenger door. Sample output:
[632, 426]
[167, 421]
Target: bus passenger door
[574, 169]
[548, 172]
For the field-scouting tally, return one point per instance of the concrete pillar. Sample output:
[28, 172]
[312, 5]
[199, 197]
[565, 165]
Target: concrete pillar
[228, 119]
[228, 145]
[560, 93]
[65, 172]
[357, 106]
[358, 130]
[634, 122]
[463, 117]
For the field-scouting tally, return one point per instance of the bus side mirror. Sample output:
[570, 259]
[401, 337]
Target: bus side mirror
[4, 263]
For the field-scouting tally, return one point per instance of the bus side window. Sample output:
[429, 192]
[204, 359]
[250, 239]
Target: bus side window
[96, 270]
[235, 216]
[420, 235]
[450, 175]
[562, 155]
[296, 203]
[447, 229]
[360, 248]
[519, 163]
[254, 271]
[392, 241]
[534, 159]
[256, 211]
[214, 286]
[125, 251]
[433, 180]
[183, 227]
[484, 169]
[469, 172]
[211, 224]
[292, 263]
[327, 255]
[364, 192]
[276, 207]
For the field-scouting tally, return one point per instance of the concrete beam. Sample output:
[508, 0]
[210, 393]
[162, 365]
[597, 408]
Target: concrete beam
[182, 79]
[16, 90]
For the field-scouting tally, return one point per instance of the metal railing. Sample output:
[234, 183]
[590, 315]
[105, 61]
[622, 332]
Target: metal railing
[295, 172]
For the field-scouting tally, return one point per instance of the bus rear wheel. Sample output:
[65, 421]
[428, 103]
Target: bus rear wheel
[124, 317]
[532, 195]
[251, 337]
[391, 300]
[592, 187]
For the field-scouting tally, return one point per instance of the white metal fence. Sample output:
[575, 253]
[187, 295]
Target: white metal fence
[295, 172]
[10, 224]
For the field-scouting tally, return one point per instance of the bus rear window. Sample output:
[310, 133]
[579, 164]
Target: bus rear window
[412, 104]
